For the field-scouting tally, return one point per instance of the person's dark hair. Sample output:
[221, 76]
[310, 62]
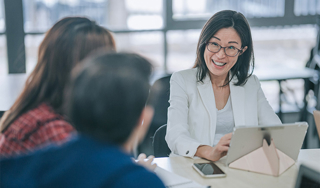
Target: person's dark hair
[107, 94]
[69, 41]
[227, 19]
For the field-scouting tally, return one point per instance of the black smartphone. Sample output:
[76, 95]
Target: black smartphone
[208, 170]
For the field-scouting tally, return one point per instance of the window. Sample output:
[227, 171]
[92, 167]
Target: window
[2, 18]
[32, 43]
[191, 9]
[3, 43]
[40, 15]
[182, 45]
[118, 15]
[3, 55]
[303, 7]
[273, 46]
[147, 44]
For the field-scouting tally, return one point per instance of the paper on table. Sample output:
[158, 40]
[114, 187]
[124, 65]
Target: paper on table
[175, 181]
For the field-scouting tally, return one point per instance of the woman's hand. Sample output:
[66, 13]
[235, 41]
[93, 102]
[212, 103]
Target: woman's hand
[216, 152]
[146, 162]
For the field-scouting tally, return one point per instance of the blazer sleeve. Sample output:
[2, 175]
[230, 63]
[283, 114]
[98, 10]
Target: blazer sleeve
[178, 136]
[266, 115]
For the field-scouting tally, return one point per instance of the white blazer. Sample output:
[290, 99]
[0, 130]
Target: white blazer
[192, 114]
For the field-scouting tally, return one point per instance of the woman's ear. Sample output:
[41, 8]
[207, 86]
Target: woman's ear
[243, 50]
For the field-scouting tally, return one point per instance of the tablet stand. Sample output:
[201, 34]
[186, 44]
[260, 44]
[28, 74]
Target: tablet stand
[266, 160]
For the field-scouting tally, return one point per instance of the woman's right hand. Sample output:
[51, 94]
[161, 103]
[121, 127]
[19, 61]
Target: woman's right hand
[216, 152]
[146, 162]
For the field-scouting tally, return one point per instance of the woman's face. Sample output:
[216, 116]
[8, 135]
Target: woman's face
[219, 63]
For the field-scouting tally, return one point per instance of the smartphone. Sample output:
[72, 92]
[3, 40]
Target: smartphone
[208, 170]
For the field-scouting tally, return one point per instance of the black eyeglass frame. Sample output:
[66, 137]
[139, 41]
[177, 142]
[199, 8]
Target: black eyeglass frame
[239, 50]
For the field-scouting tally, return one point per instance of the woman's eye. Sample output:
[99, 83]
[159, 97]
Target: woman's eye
[231, 47]
[214, 44]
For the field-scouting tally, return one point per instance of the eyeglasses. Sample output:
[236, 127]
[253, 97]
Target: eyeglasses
[229, 50]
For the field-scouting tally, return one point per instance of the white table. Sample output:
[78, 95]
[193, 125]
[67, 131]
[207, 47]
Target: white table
[238, 178]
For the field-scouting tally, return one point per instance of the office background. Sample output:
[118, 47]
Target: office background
[166, 31]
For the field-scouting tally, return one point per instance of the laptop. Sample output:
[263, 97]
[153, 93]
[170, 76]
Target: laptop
[288, 138]
[316, 115]
[307, 177]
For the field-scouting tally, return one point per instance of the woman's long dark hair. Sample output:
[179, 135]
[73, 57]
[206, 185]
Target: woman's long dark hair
[69, 41]
[227, 19]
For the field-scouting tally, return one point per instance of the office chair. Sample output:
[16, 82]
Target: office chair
[159, 99]
[160, 146]
[1, 113]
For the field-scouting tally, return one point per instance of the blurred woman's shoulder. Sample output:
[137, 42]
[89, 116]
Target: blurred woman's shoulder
[34, 129]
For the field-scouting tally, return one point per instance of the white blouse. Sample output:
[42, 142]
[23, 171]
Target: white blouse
[225, 122]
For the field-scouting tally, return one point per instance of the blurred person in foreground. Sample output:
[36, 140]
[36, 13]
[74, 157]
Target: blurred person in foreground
[219, 93]
[36, 118]
[106, 102]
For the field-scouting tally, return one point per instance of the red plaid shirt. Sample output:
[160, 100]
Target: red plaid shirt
[34, 129]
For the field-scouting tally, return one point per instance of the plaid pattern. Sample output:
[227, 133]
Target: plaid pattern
[34, 129]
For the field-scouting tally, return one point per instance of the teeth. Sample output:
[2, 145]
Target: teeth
[217, 63]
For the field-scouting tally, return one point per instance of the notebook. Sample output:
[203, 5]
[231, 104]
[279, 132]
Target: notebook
[175, 181]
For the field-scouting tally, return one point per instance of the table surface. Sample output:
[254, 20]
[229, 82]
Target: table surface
[238, 178]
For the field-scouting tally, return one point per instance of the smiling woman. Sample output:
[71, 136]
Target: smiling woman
[218, 61]
[219, 93]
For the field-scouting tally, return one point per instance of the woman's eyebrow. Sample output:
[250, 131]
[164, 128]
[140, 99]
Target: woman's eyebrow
[216, 38]
[233, 42]
[228, 42]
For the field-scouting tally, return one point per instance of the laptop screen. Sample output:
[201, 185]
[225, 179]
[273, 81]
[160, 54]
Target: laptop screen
[307, 177]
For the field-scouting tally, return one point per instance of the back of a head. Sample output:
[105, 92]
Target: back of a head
[107, 95]
[68, 42]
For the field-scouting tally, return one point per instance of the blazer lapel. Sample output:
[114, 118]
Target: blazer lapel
[238, 103]
[207, 96]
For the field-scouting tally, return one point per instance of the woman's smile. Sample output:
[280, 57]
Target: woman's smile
[219, 65]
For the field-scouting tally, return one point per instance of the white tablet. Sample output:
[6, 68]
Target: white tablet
[288, 138]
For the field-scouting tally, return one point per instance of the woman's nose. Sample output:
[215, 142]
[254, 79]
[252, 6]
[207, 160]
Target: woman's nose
[221, 54]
